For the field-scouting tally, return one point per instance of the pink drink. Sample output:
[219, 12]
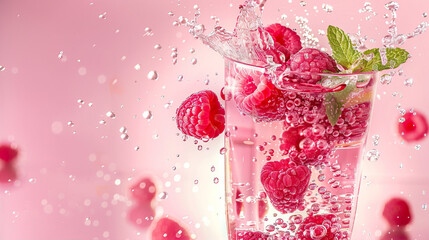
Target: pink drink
[255, 136]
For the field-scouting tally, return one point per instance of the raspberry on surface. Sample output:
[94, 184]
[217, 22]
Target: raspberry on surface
[285, 184]
[144, 190]
[320, 227]
[8, 153]
[256, 96]
[201, 115]
[412, 126]
[168, 229]
[285, 37]
[397, 212]
[310, 60]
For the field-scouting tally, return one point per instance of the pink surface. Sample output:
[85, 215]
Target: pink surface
[73, 181]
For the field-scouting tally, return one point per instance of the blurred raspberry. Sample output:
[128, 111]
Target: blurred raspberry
[257, 97]
[285, 184]
[395, 234]
[284, 36]
[251, 235]
[144, 190]
[414, 127]
[310, 60]
[320, 227]
[141, 215]
[168, 229]
[201, 115]
[397, 212]
[7, 173]
[8, 153]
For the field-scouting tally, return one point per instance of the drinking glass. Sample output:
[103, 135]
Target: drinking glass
[293, 151]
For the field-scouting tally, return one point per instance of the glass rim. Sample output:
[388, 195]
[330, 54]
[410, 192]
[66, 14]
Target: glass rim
[262, 69]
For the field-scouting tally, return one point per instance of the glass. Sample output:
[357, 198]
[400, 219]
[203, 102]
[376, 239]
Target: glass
[289, 170]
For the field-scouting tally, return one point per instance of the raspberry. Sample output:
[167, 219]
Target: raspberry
[168, 229]
[310, 60]
[395, 234]
[414, 127]
[8, 153]
[251, 235]
[351, 125]
[144, 190]
[306, 144]
[284, 36]
[397, 212]
[141, 215]
[320, 227]
[201, 115]
[257, 97]
[285, 184]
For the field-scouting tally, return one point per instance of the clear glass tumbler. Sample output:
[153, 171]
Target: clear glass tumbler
[293, 152]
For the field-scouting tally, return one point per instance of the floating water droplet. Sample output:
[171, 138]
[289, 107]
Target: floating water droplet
[373, 155]
[137, 67]
[408, 82]
[375, 139]
[70, 124]
[157, 46]
[212, 169]
[196, 181]
[60, 55]
[2, 68]
[163, 195]
[147, 115]
[425, 206]
[303, 3]
[327, 8]
[424, 14]
[102, 16]
[386, 79]
[125, 136]
[392, 6]
[123, 130]
[216, 180]
[111, 115]
[152, 75]
[222, 151]
[180, 78]
[194, 61]
[418, 147]
[170, 14]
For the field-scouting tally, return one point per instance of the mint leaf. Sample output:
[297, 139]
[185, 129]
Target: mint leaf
[395, 57]
[335, 101]
[342, 47]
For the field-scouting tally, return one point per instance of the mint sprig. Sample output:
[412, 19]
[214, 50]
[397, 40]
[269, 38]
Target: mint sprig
[342, 47]
[395, 57]
[354, 61]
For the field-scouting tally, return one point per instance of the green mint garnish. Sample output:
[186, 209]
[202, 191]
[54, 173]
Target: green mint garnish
[342, 47]
[395, 57]
[335, 101]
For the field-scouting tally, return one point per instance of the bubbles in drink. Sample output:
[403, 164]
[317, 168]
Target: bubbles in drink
[152, 75]
[111, 115]
[147, 114]
[373, 155]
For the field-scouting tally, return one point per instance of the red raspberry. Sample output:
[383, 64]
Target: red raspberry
[251, 235]
[168, 229]
[395, 234]
[141, 215]
[306, 144]
[310, 60]
[201, 115]
[143, 191]
[397, 212]
[414, 128]
[7, 152]
[257, 97]
[320, 227]
[285, 184]
[284, 36]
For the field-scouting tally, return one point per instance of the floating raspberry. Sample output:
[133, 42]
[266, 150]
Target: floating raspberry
[320, 227]
[414, 127]
[397, 212]
[285, 184]
[310, 60]
[168, 229]
[141, 215]
[8, 153]
[257, 97]
[284, 36]
[351, 125]
[306, 144]
[201, 115]
[251, 235]
[395, 234]
[144, 190]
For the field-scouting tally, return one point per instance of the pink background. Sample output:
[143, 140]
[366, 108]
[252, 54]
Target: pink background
[73, 180]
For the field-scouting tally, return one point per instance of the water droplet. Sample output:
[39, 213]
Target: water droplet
[424, 14]
[70, 124]
[418, 147]
[212, 169]
[125, 136]
[180, 78]
[137, 67]
[2, 68]
[270, 228]
[373, 155]
[425, 206]
[163, 195]
[408, 82]
[303, 3]
[196, 181]
[216, 180]
[157, 46]
[152, 75]
[60, 55]
[102, 16]
[147, 115]
[194, 61]
[375, 140]
[386, 79]
[327, 8]
[222, 151]
[111, 115]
